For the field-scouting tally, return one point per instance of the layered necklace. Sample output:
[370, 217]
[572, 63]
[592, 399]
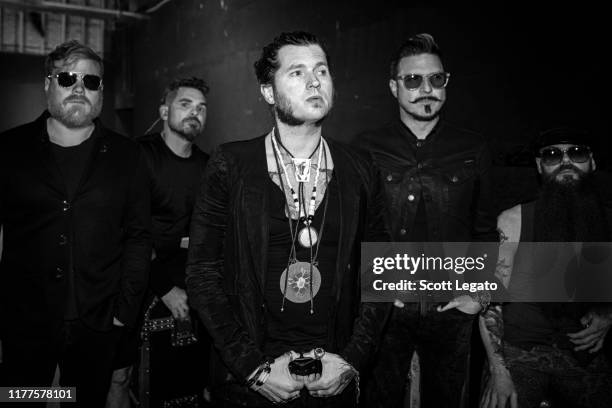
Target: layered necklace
[300, 281]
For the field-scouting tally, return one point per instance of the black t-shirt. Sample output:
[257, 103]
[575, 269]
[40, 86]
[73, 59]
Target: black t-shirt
[296, 328]
[72, 162]
[175, 182]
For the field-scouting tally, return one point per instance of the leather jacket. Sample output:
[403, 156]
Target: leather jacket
[449, 171]
[226, 267]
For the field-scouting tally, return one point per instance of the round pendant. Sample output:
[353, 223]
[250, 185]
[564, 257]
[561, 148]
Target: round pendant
[308, 236]
[299, 279]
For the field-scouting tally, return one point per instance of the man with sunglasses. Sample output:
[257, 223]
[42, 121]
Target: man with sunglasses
[75, 209]
[550, 351]
[438, 189]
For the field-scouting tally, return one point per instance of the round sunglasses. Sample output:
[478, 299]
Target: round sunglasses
[437, 80]
[551, 156]
[68, 79]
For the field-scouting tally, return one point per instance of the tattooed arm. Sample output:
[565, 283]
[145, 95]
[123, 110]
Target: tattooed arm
[499, 389]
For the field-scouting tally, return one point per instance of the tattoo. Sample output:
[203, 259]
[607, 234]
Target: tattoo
[503, 270]
[502, 236]
[494, 323]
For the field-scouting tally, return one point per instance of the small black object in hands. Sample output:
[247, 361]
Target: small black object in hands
[304, 366]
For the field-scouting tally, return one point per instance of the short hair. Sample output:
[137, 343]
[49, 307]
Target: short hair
[419, 44]
[69, 52]
[193, 82]
[267, 65]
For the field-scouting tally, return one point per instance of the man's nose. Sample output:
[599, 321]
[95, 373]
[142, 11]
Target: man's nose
[313, 81]
[426, 86]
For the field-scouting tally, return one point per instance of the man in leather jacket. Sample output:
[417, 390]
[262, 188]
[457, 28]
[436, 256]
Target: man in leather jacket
[438, 189]
[273, 265]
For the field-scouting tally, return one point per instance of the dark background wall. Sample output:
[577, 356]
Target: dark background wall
[514, 70]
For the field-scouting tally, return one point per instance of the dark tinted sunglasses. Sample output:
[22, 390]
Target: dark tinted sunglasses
[551, 156]
[68, 79]
[438, 80]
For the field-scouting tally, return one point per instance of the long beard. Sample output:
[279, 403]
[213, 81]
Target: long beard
[570, 212]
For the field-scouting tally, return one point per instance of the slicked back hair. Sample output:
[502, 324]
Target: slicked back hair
[267, 65]
[193, 82]
[69, 52]
[419, 44]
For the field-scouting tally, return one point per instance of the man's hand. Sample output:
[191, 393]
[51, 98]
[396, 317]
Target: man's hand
[463, 303]
[335, 376]
[117, 322]
[280, 387]
[176, 301]
[499, 390]
[592, 337]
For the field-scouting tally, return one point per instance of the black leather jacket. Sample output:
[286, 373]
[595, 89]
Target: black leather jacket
[226, 268]
[449, 171]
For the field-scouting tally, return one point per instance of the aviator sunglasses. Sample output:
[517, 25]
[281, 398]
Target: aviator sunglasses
[551, 156]
[68, 79]
[437, 80]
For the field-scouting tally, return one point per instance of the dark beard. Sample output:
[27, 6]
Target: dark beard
[285, 115]
[284, 112]
[570, 212]
[188, 136]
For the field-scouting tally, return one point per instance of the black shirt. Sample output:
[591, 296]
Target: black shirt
[296, 328]
[175, 182]
[72, 161]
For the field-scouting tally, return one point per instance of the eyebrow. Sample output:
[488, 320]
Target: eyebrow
[190, 100]
[294, 66]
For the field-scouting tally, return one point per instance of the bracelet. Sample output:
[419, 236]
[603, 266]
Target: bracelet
[265, 367]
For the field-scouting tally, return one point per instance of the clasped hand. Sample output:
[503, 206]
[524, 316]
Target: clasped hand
[282, 386]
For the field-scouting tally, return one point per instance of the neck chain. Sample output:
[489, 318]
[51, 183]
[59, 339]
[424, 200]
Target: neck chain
[299, 274]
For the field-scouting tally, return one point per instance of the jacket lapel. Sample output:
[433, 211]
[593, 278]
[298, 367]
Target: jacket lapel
[349, 200]
[256, 207]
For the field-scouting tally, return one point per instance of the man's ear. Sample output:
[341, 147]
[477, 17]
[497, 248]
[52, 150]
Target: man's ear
[593, 164]
[268, 93]
[47, 83]
[539, 164]
[163, 112]
[393, 87]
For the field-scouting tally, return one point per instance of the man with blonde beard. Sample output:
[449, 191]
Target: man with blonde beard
[75, 210]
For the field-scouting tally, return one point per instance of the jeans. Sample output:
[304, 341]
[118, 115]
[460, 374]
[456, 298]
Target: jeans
[442, 340]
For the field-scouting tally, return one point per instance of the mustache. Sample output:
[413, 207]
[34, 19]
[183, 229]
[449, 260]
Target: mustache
[426, 98]
[567, 166]
[194, 119]
[76, 98]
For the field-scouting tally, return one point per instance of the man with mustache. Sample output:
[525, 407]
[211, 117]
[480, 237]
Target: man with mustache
[438, 189]
[273, 266]
[551, 351]
[75, 209]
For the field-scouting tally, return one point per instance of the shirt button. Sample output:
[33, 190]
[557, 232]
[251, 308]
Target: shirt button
[410, 197]
[419, 143]
[63, 239]
[66, 205]
[420, 166]
[59, 273]
[389, 177]
[455, 179]
[403, 231]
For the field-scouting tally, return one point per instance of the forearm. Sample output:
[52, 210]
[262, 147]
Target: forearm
[492, 332]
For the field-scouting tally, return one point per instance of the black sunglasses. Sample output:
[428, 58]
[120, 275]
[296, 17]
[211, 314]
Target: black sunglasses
[551, 156]
[68, 79]
[438, 80]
